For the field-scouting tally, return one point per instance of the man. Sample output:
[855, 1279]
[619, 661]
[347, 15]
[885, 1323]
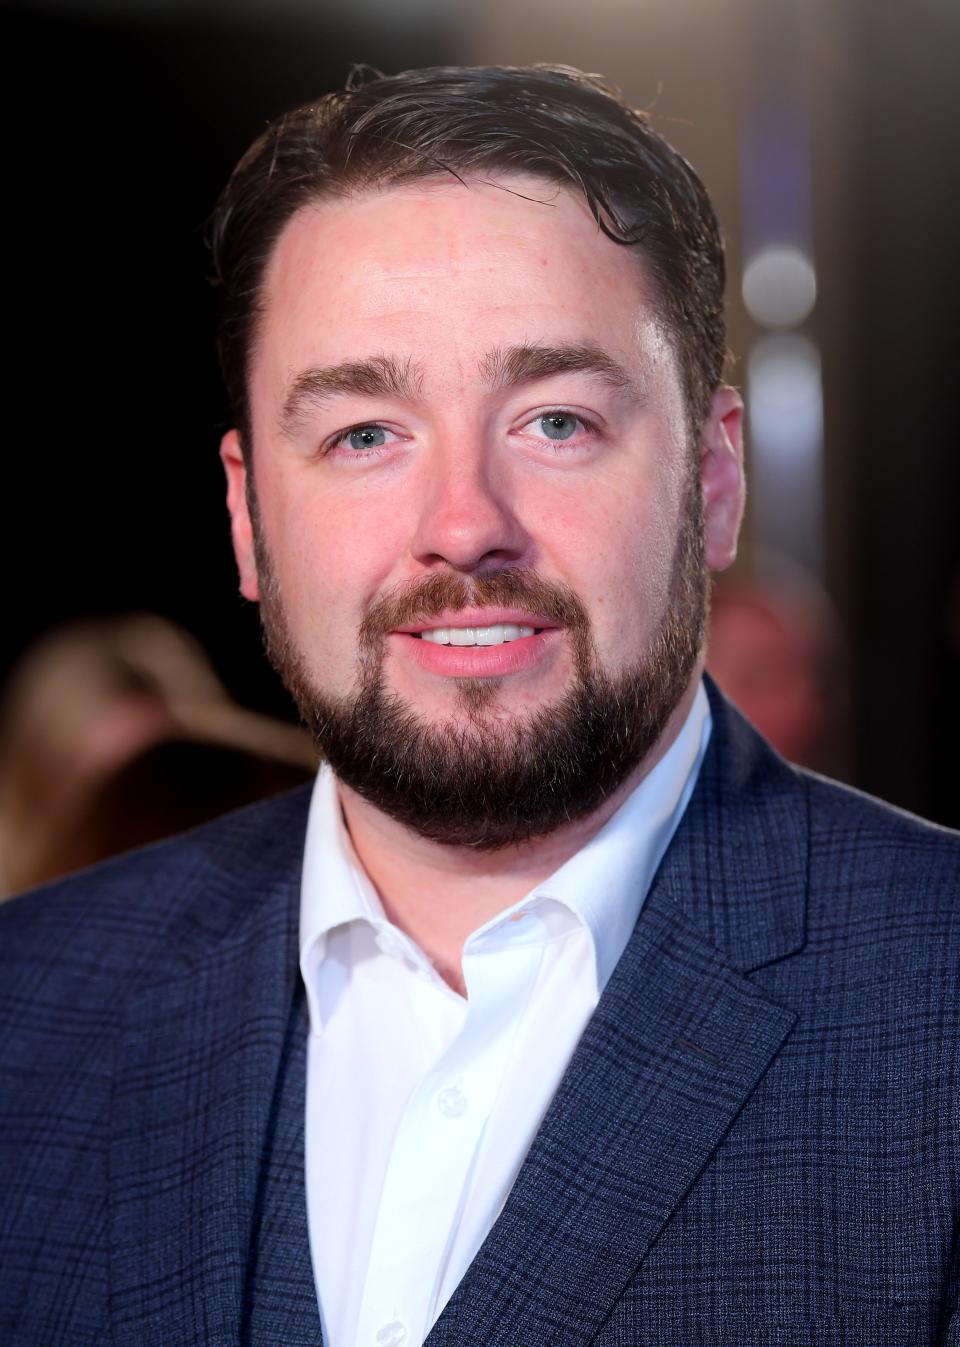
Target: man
[564, 1011]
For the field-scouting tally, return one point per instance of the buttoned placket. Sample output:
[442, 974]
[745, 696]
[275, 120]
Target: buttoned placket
[439, 1134]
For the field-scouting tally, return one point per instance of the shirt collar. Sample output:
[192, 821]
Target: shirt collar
[603, 885]
[335, 888]
[606, 882]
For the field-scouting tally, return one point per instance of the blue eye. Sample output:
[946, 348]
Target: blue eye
[367, 437]
[362, 443]
[558, 425]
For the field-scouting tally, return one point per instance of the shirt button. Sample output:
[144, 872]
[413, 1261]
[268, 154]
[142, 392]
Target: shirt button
[452, 1102]
[388, 943]
[392, 1334]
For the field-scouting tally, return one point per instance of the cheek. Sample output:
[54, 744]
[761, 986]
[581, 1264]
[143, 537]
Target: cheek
[330, 556]
[614, 544]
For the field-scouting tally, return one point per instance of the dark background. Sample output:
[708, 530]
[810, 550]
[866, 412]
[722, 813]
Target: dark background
[121, 123]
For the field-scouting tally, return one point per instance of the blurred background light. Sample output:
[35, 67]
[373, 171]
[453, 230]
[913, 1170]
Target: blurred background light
[785, 411]
[779, 286]
[785, 397]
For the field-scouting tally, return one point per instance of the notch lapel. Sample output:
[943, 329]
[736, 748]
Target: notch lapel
[201, 1059]
[678, 1042]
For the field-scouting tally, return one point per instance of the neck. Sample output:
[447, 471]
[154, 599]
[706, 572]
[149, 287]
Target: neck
[440, 894]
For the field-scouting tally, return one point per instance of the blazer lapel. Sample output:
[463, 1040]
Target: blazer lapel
[199, 1067]
[677, 1044]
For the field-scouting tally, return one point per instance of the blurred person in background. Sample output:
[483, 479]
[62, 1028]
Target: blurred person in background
[562, 1009]
[776, 649]
[116, 731]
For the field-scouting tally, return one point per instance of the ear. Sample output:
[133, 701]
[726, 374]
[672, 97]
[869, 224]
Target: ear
[241, 527]
[721, 477]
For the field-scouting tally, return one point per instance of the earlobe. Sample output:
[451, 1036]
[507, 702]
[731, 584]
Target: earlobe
[721, 477]
[241, 528]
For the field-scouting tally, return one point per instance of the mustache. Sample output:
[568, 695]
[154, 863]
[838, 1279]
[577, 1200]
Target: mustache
[511, 587]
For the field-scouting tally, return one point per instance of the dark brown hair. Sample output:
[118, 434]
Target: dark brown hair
[569, 128]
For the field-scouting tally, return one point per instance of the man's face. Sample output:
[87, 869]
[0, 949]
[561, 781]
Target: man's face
[467, 415]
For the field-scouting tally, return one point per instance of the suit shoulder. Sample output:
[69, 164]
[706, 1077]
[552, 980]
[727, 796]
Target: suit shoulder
[129, 910]
[849, 819]
[880, 866]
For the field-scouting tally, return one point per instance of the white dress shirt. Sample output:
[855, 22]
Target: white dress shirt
[422, 1104]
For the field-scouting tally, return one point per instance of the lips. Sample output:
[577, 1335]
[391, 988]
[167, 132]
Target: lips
[475, 661]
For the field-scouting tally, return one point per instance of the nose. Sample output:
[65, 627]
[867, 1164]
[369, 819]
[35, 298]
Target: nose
[467, 511]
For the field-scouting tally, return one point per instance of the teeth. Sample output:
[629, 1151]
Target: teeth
[495, 635]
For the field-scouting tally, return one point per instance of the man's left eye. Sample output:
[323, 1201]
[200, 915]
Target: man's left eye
[557, 425]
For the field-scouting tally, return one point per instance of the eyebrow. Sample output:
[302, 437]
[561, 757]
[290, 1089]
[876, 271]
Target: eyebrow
[509, 367]
[377, 376]
[502, 368]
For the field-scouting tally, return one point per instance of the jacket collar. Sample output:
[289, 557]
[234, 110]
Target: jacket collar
[738, 868]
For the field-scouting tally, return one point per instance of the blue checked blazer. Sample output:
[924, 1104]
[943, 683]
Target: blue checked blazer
[756, 1143]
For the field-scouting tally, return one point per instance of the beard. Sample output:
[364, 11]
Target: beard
[491, 780]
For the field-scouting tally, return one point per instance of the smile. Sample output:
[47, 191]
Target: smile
[497, 634]
[495, 651]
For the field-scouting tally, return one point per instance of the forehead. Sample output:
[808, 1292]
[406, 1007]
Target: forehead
[438, 261]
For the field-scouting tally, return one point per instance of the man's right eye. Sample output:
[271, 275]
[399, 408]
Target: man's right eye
[361, 439]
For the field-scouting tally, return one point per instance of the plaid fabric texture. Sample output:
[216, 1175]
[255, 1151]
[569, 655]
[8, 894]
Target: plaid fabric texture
[756, 1144]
